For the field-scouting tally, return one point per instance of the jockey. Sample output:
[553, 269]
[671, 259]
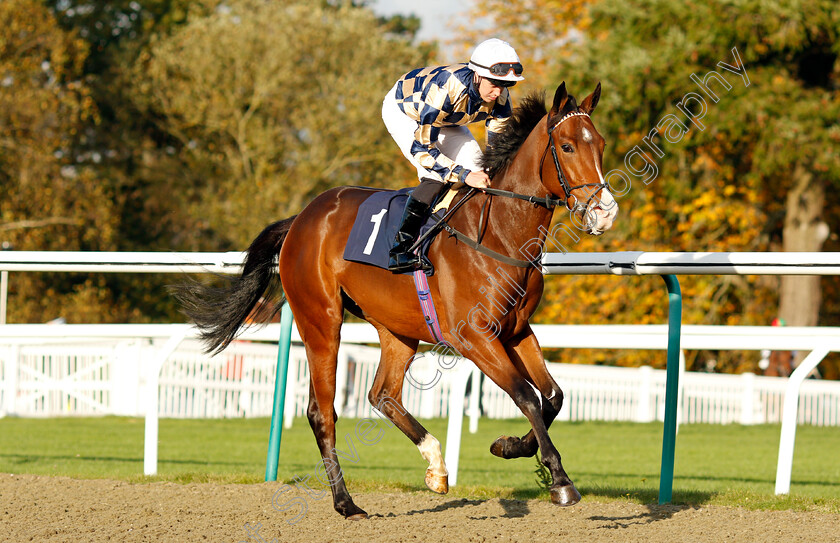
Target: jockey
[426, 112]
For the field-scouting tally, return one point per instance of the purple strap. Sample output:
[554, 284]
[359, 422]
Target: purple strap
[428, 306]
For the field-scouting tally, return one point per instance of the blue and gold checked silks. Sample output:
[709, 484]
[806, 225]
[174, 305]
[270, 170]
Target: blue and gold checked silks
[446, 96]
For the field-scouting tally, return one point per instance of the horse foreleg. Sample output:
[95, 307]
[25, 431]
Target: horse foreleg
[492, 359]
[386, 395]
[526, 355]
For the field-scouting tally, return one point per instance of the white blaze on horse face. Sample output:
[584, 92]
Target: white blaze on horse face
[604, 209]
[430, 451]
[587, 136]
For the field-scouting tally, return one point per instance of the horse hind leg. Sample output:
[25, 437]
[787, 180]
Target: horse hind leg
[526, 446]
[386, 395]
[319, 323]
[562, 490]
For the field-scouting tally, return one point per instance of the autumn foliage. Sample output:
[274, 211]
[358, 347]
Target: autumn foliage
[722, 187]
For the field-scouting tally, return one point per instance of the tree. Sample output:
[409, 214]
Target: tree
[260, 121]
[110, 169]
[109, 28]
[50, 200]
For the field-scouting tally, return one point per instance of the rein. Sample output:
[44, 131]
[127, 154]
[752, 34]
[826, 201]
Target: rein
[489, 252]
[547, 202]
[550, 202]
[444, 224]
[442, 221]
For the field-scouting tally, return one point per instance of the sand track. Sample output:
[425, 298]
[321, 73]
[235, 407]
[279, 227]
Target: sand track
[52, 509]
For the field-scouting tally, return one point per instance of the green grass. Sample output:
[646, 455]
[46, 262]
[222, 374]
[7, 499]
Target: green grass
[728, 465]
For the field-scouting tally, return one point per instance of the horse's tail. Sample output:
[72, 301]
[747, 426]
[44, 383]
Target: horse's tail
[220, 312]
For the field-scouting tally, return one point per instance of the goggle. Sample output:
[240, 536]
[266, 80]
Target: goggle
[503, 68]
[501, 82]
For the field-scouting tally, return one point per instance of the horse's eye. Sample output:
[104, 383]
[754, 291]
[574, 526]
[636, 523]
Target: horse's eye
[567, 148]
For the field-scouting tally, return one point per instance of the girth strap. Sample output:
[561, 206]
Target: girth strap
[427, 305]
[489, 252]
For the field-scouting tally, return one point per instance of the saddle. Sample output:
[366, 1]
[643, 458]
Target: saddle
[376, 226]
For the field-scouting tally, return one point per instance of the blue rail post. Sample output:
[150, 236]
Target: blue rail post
[669, 437]
[276, 432]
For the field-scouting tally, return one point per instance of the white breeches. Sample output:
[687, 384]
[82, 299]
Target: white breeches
[456, 142]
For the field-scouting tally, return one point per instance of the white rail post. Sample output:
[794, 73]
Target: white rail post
[11, 370]
[341, 380]
[290, 398]
[475, 398]
[791, 405]
[125, 378]
[150, 445]
[457, 393]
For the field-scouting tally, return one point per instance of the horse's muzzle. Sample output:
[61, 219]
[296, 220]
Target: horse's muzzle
[599, 220]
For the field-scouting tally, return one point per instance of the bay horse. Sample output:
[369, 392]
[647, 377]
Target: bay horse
[320, 286]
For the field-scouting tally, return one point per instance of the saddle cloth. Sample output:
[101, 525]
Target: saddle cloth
[376, 225]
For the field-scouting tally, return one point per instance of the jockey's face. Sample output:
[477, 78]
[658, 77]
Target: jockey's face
[487, 90]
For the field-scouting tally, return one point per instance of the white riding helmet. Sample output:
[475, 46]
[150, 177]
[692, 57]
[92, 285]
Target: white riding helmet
[496, 59]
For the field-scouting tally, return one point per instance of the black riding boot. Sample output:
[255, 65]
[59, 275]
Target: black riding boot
[401, 260]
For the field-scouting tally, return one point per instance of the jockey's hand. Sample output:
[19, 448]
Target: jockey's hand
[478, 179]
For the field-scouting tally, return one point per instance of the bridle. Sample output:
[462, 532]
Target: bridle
[567, 189]
[550, 202]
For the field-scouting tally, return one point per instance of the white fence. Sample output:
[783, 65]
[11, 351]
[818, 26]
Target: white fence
[108, 377]
[46, 378]
[638, 394]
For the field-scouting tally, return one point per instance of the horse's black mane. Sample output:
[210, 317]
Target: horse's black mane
[516, 130]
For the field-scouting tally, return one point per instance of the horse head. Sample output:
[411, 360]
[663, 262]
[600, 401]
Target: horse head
[572, 162]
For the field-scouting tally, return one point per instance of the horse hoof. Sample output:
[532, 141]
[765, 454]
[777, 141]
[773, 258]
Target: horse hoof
[512, 447]
[565, 496]
[349, 510]
[437, 483]
[498, 447]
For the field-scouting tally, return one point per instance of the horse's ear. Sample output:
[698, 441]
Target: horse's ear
[560, 98]
[589, 103]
